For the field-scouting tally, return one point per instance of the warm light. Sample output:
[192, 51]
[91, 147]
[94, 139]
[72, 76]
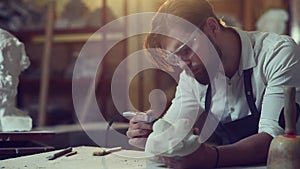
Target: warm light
[295, 33]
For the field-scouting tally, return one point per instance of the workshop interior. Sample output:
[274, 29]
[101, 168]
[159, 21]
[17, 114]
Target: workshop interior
[80, 68]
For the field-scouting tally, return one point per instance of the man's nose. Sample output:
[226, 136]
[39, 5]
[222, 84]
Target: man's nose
[184, 64]
[188, 62]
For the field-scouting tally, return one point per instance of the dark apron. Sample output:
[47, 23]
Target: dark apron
[236, 130]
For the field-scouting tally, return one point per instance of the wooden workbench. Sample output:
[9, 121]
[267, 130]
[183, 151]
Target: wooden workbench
[85, 159]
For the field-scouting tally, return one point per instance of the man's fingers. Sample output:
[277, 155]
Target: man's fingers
[137, 133]
[196, 131]
[154, 114]
[169, 162]
[138, 142]
[140, 125]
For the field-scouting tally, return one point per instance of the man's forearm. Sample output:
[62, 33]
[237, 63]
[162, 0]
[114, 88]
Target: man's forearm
[251, 150]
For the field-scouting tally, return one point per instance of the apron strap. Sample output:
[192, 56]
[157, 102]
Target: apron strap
[249, 93]
[208, 99]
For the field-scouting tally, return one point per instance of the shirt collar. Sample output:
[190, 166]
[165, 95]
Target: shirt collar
[247, 55]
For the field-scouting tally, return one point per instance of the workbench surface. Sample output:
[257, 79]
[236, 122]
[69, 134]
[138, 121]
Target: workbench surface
[124, 159]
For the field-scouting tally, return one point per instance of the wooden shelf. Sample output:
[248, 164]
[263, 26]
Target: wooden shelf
[63, 45]
[67, 35]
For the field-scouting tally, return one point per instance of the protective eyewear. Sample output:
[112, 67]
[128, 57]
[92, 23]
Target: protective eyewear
[183, 52]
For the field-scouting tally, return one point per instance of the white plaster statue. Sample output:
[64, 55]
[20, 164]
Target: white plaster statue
[273, 20]
[172, 139]
[13, 60]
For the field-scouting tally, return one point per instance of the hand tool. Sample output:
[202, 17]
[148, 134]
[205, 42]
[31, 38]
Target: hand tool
[284, 152]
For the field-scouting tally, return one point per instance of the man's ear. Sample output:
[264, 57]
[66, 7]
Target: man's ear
[212, 26]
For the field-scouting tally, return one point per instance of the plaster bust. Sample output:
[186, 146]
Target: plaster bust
[273, 20]
[13, 60]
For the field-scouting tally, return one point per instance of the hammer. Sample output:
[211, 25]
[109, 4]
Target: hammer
[284, 152]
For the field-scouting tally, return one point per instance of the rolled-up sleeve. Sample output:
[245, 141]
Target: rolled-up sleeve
[281, 69]
[187, 98]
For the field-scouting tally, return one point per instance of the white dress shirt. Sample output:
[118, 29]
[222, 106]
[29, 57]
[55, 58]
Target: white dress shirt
[274, 63]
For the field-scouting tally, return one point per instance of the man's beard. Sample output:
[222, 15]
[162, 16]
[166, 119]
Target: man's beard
[210, 68]
[199, 73]
[202, 78]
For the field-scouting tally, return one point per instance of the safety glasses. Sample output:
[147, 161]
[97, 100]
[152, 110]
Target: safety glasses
[183, 52]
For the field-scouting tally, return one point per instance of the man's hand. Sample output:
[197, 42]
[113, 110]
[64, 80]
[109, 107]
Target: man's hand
[243, 152]
[204, 157]
[139, 131]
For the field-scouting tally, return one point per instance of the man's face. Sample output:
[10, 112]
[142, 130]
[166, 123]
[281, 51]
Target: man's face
[187, 59]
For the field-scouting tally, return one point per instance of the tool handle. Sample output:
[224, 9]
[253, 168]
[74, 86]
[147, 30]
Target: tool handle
[60, 153]
[110, 150]
[290, 110]
[106, 151]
